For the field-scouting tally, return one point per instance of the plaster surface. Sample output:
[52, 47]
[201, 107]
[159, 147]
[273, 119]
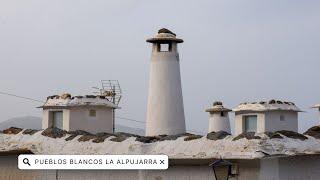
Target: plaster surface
[218, 122]
[165, 112]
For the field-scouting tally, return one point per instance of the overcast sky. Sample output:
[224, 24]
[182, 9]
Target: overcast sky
[234, 51]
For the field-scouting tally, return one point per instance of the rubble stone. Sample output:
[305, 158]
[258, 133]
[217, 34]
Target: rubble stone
[12, 130]
[30, 131]
[313, 131]
[247, 135]
[54, 132]
[192, 137]
[292, 134]
[217, 135]
[273, 135]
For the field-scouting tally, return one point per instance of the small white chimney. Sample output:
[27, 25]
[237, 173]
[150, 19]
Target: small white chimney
[318, 107]
[165, 113]
[218, 118]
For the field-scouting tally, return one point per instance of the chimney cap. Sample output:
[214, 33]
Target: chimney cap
[218, 107]
[165, 30]
[164, 36]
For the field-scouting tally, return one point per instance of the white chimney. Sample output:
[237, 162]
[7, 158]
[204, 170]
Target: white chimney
[218, 118]
[318, 107]
[165, 113]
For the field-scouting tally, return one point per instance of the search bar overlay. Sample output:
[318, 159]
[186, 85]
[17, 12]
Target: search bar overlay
[93, 162]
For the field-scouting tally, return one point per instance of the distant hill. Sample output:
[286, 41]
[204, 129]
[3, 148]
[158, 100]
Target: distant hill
[32, 122]
[122, 128]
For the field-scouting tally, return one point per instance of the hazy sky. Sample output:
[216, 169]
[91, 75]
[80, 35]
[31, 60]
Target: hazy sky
[234, 51]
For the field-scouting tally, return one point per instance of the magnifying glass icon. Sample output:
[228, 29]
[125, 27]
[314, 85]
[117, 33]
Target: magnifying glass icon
[26, 161]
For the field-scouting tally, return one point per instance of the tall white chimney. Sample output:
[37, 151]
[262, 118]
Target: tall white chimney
[218, 118]
[165, 113]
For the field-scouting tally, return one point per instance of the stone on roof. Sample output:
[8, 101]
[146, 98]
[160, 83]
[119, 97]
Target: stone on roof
[192, 137]
[314, 132]
[101, 137]
[273, 135]
[218, 107]
[165, 30]
[86, 138]
[66, 100]
[12, 130]
[30, 131]
[217, 135]
[247, 135]
[292, 134]
[54, 132]
[65, 96]
[76, 133]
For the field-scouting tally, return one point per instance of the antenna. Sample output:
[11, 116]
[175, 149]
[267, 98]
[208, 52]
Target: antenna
[110, 89]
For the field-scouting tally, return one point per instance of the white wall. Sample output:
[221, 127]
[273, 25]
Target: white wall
[290, 168]
[66, 119]
[286, 168]
[319, 116]
[299, 167]
[9, 170]
[218, 122]
[174, 173]
[80, 120]
[268, 121]
[77, 118]
[247, 170]
[269, 169]
[45, 119]
[273, 122]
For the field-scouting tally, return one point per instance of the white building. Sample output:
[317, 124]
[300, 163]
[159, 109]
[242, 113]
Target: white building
[266, 116]
[165, 113]
[218, 118]
[89, 113]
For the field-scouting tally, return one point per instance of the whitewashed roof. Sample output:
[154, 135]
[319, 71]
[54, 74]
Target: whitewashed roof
[202, 148]
[66, 100]
[267, 106]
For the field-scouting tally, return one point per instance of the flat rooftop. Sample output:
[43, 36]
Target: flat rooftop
[271, 105]
[66, 100]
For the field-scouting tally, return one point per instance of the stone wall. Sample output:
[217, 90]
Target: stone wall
[289, 168]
